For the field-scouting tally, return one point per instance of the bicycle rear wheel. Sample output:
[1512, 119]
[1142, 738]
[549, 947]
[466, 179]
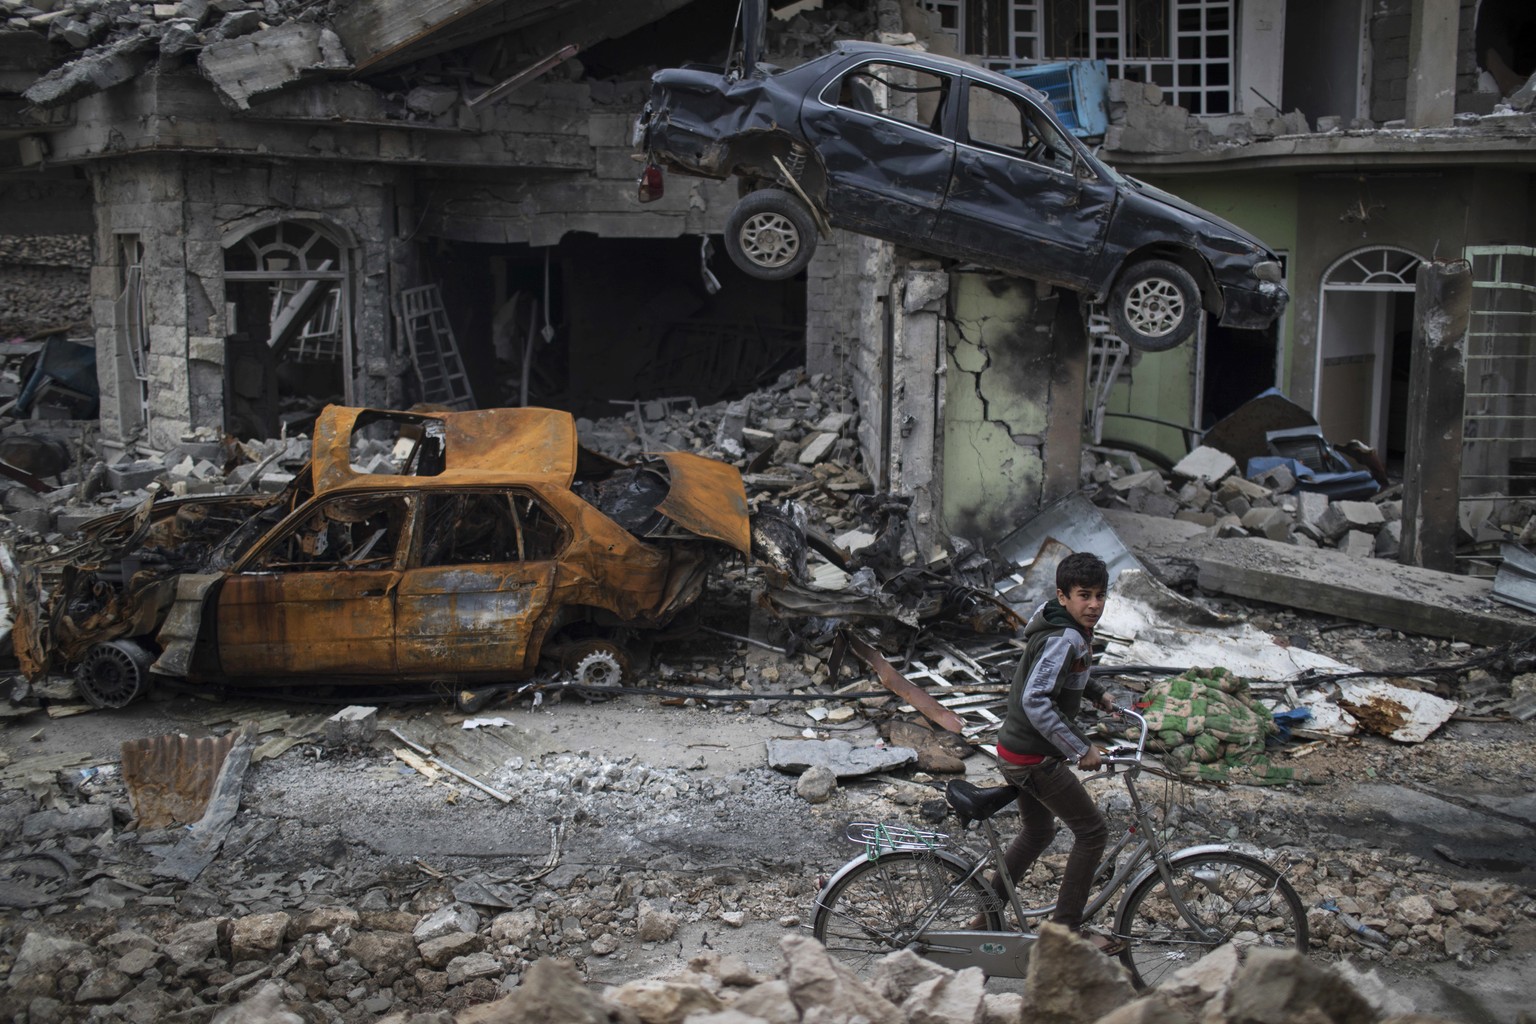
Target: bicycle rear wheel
[875, 907]
[1227, 897]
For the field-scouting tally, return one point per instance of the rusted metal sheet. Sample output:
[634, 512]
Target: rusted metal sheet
[707, 498]
[477, 618]
[483, 446]
[170, 778]
[898, 684]
[307, 623]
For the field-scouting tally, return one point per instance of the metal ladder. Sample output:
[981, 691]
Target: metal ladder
[434, 352]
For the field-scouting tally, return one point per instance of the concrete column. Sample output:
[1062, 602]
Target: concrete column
[1431, 98]
[917, 301]
[1437, 383]
[1260, 54]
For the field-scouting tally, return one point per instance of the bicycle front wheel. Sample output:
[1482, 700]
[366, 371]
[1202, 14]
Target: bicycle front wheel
[1217, 897]
[878, 906]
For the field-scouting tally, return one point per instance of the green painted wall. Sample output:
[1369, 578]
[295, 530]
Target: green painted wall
[1161, 384]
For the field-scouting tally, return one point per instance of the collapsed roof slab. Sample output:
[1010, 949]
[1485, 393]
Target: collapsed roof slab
[1371, 590]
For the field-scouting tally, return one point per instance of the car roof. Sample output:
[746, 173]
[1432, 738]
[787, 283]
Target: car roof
[954, 65]
[480, 446]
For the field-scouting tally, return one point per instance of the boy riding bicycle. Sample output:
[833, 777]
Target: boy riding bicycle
[1039, 737]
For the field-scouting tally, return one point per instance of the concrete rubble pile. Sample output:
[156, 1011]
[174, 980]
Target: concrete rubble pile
[44, 286]
[1206, 488]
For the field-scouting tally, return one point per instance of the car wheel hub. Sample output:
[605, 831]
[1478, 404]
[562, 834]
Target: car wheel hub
[770, 239]
[1154, 307]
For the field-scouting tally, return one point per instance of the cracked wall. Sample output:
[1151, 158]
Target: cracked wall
[1009, 353]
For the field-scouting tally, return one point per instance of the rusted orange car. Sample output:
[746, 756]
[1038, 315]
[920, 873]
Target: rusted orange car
[480, 542]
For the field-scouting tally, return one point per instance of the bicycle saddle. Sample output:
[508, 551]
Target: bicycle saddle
[972, 803]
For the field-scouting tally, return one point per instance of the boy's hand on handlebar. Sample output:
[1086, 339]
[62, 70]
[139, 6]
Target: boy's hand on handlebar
[1092, 760]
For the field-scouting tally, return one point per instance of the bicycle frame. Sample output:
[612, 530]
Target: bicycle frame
[1005, 953]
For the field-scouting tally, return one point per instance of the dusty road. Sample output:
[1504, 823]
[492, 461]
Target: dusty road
[631, 800]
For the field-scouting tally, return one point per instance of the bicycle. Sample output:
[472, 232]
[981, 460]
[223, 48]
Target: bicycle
[909, 890]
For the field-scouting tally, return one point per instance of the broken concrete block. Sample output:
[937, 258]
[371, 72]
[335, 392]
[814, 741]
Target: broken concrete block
[352, 726]
[1279, 479]
[1390, 540]
[1164, 506]
[238, 23]
[83, 818]
[1236, 486]
[756, 440]
[455, 917]
[1238, 505]
[1149, 479]
[33, 520]
[816, 448]
[835, 421]
[1194, 495]
[1205, 464]
[133, 476]
[733, 424]
[1271, 522]
[1358, 544]
[816, 785]
[1343, 516]
[1199, 518]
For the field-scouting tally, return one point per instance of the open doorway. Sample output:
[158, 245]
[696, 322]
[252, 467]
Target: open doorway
[593, 321]
[1365, 330]
[288, 351]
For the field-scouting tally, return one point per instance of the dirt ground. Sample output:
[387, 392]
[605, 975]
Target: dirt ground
[673, 802]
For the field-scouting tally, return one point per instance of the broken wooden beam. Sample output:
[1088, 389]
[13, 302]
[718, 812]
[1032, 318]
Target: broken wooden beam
[1372, 590]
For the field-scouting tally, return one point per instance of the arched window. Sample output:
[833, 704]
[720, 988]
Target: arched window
[288, 302]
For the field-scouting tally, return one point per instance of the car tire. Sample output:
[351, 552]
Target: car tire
[1155, 305]
[771, 234]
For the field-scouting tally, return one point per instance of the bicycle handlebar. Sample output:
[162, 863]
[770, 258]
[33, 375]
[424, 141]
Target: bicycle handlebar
[1113, 757]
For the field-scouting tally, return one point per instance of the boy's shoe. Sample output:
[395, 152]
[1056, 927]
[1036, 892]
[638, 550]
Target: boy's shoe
[1109, 945]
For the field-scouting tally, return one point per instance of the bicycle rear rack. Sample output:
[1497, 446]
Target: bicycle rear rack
[877, 838]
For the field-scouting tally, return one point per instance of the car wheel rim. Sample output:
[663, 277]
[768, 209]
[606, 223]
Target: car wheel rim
[1154, 307]
[770, 239]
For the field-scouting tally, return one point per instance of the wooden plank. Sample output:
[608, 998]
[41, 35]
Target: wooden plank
[1372, 590]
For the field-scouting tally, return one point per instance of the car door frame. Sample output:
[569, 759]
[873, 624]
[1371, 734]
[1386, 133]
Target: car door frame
[490, 616]
[311, 622]
[991, 188]
[857, 150]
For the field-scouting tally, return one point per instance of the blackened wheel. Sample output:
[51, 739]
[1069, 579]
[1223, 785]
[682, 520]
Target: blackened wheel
[1155, 305]
[771, 234]
[113, 673]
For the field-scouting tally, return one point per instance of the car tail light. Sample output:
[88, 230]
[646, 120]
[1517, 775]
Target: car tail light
[651, 184]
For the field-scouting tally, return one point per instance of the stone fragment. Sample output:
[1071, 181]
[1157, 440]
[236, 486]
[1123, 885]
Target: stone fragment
[377, 952]
[103, 985]
[815, 449]
[321, 919]
[1390, 540]
[1279, 479]
[842, 757]
[664, 1000]
[254, 936]
[136, 961]
[551, 990]
[439, 951]
[1070, 982]
[1343, 516]
[81, 818]
[193, 943]
[515, 927]
[1415, 909]
[1270, 522]
[1358, 544]
[1205, 464]
[353, 726]
[475, 965]
[41, 958]
[455, 917]
[948, 999]
[820, 985]
[1276, 986]
[1151, 480]
[654, 923]
[1194, 495]
[816, 784]
[606, 944]
[768, 1002]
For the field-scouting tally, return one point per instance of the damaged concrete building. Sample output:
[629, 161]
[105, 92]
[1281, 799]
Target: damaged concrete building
[434, 200]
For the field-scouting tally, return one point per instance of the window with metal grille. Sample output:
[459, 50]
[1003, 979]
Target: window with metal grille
[1183, 46]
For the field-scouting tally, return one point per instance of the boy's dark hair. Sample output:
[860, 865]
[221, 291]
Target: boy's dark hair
[1082, 569]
